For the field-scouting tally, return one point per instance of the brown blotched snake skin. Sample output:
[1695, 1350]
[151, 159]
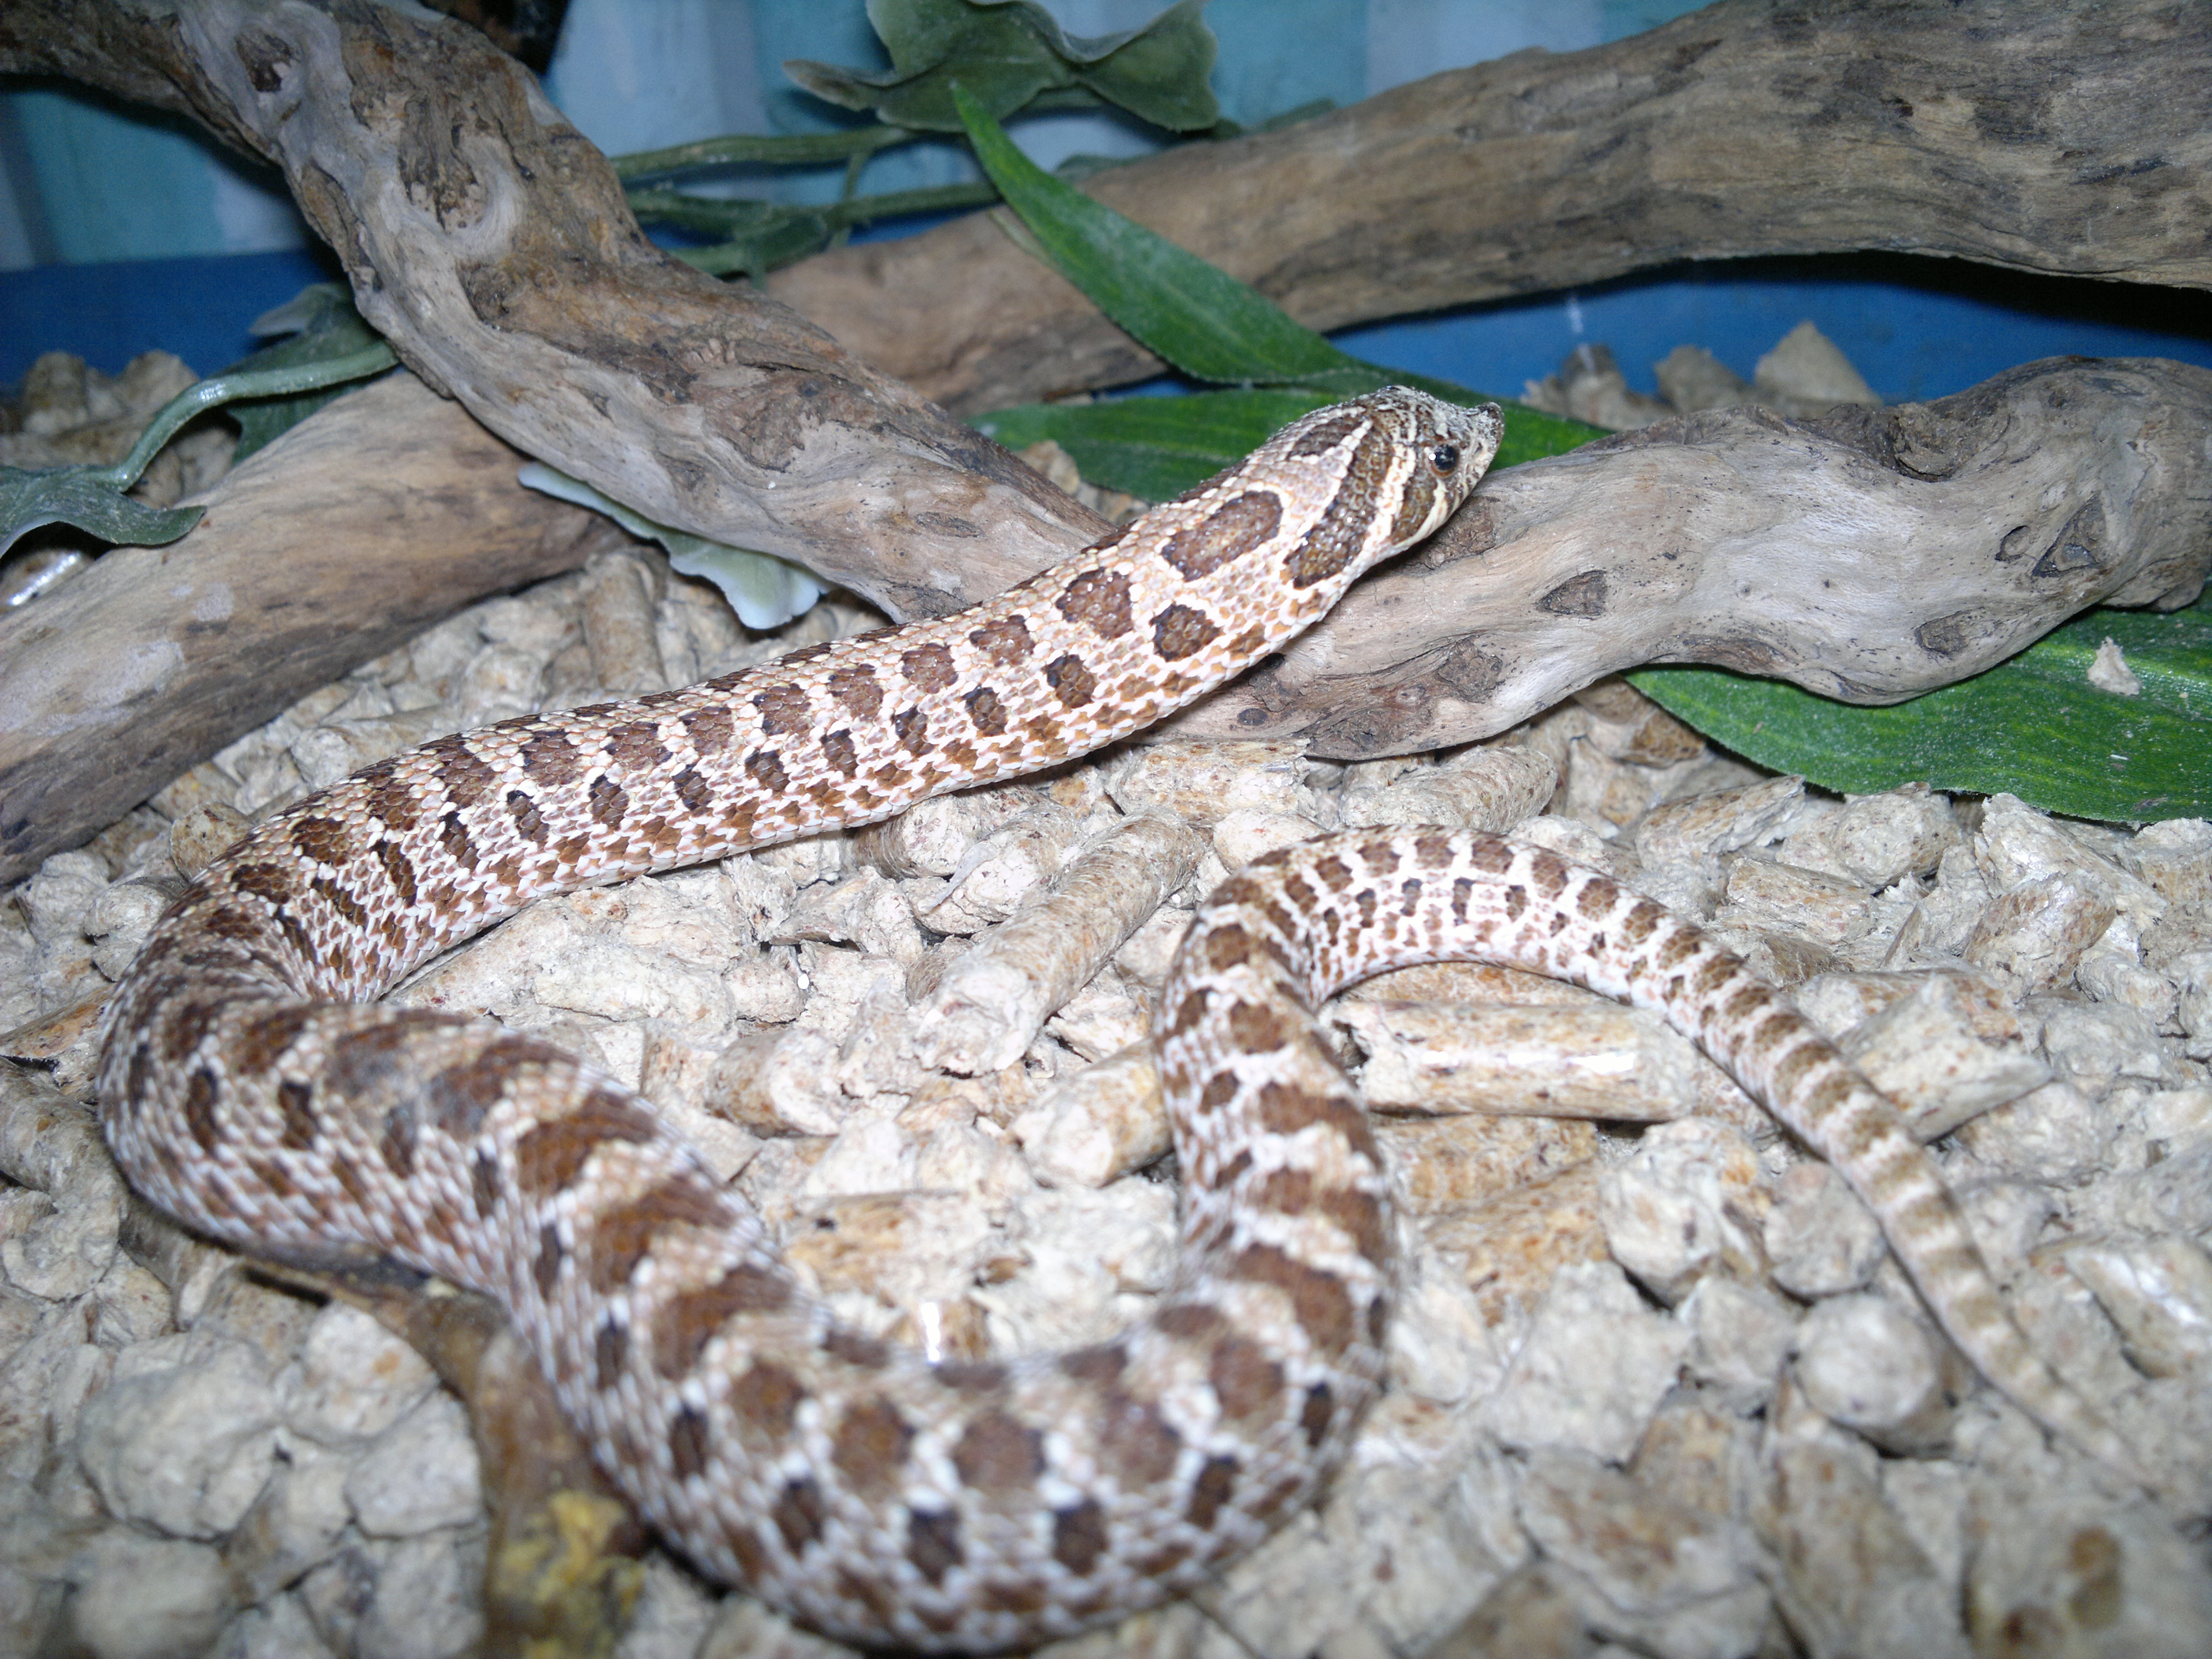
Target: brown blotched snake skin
[251, 1089]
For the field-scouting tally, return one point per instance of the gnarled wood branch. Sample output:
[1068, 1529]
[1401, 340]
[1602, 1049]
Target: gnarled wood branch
[492, 246]
[2077, 138]
[1868, 556]
[383, 514]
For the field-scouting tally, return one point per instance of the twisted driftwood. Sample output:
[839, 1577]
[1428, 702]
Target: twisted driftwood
[492, 246]
[2082, 136]
[386, 513]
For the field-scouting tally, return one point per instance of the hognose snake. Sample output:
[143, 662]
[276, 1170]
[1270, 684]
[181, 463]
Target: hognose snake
[251, 1089]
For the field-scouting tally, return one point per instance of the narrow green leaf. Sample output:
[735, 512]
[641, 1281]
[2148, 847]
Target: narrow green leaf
[766, 150]
[85, 497]
[1198, 316]
[1204, 320]
[334, 349]
[2033, 725]
[331, 348]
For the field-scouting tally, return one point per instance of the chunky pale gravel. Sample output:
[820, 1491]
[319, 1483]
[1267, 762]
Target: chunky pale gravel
[1546, 1352]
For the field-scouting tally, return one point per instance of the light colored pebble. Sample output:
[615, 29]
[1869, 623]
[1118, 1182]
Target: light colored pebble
[2192, 977]
[1872, 840]
[671, 1617]
[778, 1082]
[1480, 788]
[295, 1525]
[2036, 931]
[1096, 1125]
[1507, 1248]
[1251, 831]
[121, 918]
[2095, 1045]
[419, 1475]
[66, 1241]
[1639, 1567]
[866, 909]
[1103, 1019]
[1444, 1163]
[2159, 1292]
[995, 1000]
[1847, 1573]
[2089, 1578]
[1689, 1201]
[355, 1379]
[2016, 843]
[1724, 821]
[2049, 1134]
[1202, 783]
[201, 834]
[148, 1598]
[1772, 896]
[1922, 1052]
[1820, 1240]
[1741, 1333]
[999, 872]
[428, 1601]
[1866, 1363]
[2174, 858]
[1589, 1059]
[279, 1628]
[184, 1448]
[1593, 1368]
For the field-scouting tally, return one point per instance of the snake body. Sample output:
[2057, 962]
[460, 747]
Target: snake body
[252, 1088]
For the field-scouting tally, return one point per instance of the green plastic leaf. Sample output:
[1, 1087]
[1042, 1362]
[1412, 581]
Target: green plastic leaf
[1202, 319]
[86, 497]
[1152, 447]
[1195, 314]
[2033, 725]
[765, 592]
[330, 335]
[1008, 52]
[93, 498]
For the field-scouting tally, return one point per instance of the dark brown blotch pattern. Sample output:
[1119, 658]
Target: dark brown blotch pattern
[1228, 533]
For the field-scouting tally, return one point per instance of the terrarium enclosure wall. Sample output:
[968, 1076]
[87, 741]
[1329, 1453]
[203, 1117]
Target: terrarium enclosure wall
[1860, 441]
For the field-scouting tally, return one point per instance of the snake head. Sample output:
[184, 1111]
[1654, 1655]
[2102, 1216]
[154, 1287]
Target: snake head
[1436, 452]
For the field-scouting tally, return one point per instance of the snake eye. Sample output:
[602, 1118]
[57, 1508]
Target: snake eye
[1444, 458]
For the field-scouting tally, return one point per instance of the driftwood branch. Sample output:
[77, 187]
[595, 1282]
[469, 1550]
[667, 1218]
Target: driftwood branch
[385, 512]
[2043, 135]
[1868, 556]
[492, 246]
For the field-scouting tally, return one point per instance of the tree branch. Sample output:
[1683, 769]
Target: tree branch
[2042, 135]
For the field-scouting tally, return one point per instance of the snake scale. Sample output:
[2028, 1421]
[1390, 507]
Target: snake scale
[251, 1087]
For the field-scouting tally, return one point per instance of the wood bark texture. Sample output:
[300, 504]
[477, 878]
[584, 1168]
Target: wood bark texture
[1868, 556]
[492, 246]
[2043, 135]
[377, 516]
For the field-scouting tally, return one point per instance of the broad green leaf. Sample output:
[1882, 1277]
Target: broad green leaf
[1156, 447]
[86, 497]
[2033, 725]
[1007, 53]
[1152, 447]
[329, 331]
